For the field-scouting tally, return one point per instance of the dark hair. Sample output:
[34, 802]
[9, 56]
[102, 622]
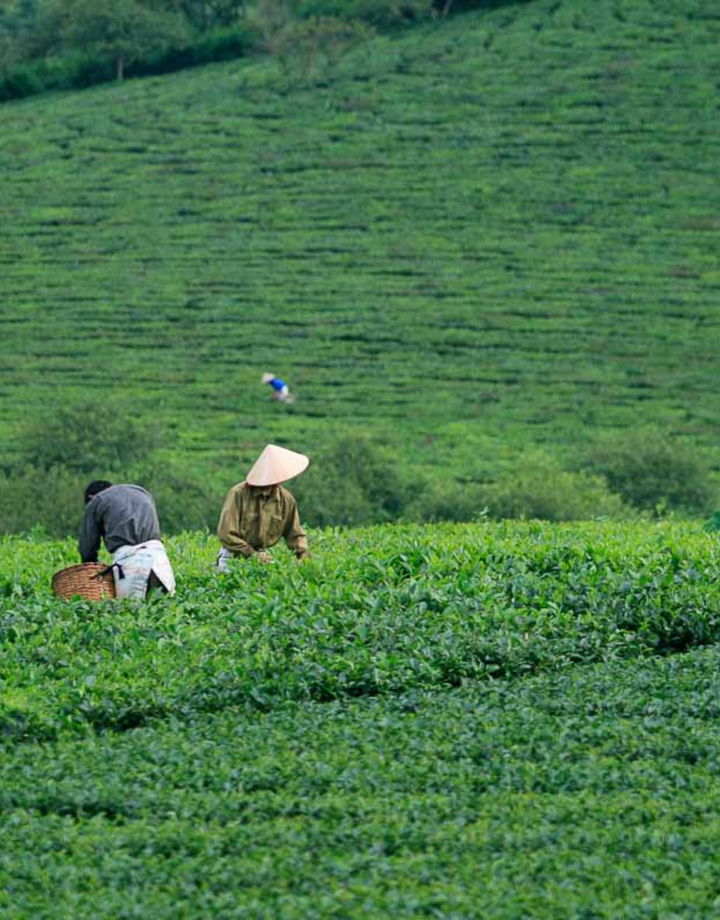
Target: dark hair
[95, 488]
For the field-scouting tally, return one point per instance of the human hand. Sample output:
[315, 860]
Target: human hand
[264, 558]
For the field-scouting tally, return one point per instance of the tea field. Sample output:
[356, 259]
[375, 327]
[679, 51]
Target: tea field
[492, 721]
[470, 237]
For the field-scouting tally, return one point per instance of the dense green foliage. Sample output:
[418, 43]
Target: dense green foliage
[455, 240]
[647, 468]
[82, 68]
[409, 724]
[85, 437]
[587, 794]
[374, 612]
[50, 44]
[64, 44]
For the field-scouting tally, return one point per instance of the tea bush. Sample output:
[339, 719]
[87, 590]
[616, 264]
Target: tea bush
[483, 721]
[374, 612]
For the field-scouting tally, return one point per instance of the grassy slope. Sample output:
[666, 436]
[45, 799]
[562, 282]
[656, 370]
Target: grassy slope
[481, 234]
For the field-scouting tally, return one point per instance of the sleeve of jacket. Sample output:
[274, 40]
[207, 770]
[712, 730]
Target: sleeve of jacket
[295, 536]
[90, 535]
[229, 526]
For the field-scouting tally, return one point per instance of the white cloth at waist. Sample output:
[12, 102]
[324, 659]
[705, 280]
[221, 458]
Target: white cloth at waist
[132, 566]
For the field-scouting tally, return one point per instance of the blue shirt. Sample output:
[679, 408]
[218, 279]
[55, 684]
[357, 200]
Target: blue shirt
[277, 384]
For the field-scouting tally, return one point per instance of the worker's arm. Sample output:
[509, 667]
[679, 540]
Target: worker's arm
[295, 536]
[90, 535]
[229, 527]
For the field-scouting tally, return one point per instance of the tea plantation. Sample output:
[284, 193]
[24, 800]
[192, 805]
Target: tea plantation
[492, 720]
[469, 237]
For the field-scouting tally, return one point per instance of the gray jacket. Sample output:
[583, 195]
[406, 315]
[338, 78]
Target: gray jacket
[122, 515]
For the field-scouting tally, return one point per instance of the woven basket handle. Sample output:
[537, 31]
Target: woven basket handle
[108, 571]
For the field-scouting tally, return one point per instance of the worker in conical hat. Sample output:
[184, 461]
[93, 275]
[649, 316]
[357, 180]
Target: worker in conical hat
[280, 390]
[259, 511]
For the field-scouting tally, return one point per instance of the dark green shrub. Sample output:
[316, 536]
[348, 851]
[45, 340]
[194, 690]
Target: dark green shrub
[441, 500]
[356, 481]
[48, 499]
[205, 15]
[305, 47]
[539, 488]
[359, 482]
[653, 471]
[79, 69]
[8, 54]
[52, 500]
[712, 525]
[74, 70]
[376, 12]
[184, 501]
[19, 82]
[446, 7]
[219, 45]
[88, 438]
[61, 451]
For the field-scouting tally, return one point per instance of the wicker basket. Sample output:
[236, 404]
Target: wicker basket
[84, 581]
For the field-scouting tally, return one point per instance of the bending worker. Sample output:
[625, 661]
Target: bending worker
[125, 517]
[259, 511]
[281, 391]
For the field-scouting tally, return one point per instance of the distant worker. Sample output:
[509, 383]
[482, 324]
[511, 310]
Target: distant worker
[280, 389]
[259, 511]
[124, 516]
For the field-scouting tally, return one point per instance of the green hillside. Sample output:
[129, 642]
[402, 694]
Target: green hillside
[470, 237]
[491, 721]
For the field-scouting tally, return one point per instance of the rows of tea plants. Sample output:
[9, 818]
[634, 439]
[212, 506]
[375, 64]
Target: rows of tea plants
[589, 793]
[489, 231]
[492, 721]
[379, 611]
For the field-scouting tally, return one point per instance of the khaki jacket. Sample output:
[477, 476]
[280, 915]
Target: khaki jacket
[250, 521]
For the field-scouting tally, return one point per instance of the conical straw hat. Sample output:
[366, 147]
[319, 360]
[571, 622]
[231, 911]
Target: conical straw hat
[266, 378]
[275, 465]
